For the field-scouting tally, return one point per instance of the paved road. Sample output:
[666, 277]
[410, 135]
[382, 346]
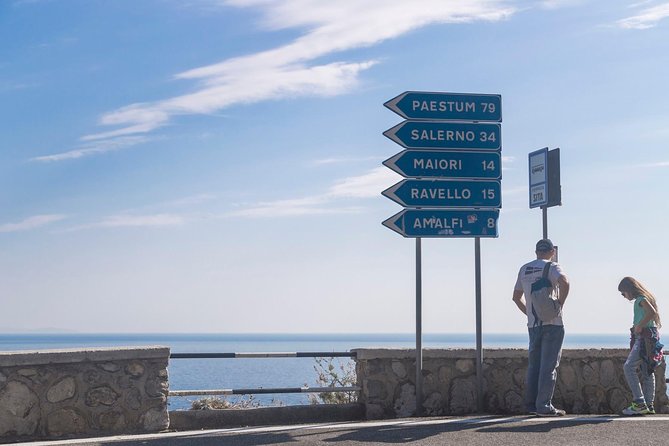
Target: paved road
[470, 431]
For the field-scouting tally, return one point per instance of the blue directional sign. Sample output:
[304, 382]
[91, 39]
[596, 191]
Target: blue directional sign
[446, 193]
[447, 106]
[446, 164]
[446, 135]
[444, 223]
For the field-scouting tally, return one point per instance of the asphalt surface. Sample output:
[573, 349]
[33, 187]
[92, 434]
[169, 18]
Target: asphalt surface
[468, 431]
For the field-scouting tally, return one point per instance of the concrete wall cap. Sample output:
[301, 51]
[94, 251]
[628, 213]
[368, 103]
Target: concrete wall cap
[464, 353]
[94, 354]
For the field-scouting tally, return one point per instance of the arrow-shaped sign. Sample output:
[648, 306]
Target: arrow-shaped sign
[446, 193]
[446, 135]
[447, 106]
[446, 164]
[444, 223]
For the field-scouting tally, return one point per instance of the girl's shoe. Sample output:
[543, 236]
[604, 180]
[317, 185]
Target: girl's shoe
[637, 409]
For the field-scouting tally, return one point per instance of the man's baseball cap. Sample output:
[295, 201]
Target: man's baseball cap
[545, 245]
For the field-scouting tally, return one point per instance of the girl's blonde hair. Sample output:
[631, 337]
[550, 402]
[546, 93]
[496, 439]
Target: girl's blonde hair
[635, 288]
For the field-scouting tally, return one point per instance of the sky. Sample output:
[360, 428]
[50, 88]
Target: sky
[215, 165]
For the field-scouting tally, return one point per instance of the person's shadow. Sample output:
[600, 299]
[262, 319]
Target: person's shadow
[413, 431]
[545, 425]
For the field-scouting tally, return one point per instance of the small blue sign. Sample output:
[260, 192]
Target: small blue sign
[446, 135]
[446, 193]
[444, 223]
[446, 164]
[447, 106]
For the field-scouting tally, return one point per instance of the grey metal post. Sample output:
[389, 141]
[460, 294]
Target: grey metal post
[544, 215]
[419, 333]
[479, 343]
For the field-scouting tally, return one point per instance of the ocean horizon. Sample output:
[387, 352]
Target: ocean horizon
[201, 374]
[47, 338]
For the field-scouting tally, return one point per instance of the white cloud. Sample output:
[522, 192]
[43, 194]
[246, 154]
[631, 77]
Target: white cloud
[285, 71]
[8, 86]
[317, 205]
[507, 162]
[93, 149]
[364, 186]
[191, 200]
[335, 160]
[134, 221]
[142, 220]
[658, 164]
[646, 18]
[556, 4]
[33, 222]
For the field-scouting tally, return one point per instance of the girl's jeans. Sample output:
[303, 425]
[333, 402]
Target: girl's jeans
[643, 390]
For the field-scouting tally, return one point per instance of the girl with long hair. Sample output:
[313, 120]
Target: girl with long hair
[646, 349]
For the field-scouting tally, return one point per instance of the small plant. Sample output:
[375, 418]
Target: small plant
[330, 374]
[246, 402]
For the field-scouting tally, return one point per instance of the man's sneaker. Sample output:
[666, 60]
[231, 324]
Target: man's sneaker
[553, 413]
[637, 409]
[651, 409]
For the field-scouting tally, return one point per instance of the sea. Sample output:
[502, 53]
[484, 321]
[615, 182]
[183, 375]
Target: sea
[237, 373]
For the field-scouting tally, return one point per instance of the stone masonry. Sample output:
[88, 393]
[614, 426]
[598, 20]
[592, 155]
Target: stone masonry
[590, 381]
[69, 393]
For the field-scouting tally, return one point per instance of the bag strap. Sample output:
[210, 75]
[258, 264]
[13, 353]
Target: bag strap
[547, 267]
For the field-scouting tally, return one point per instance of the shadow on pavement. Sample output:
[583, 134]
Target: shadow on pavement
[410, 432]
[543, 426]
[413, 431]
[403, 433]
[241, 439]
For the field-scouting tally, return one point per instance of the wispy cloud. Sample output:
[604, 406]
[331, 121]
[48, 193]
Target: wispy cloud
[93, 149]
[29, 2]
[364, 186]
[9, 86]
[134, 221]
[116, 221]
[655, 165]
[341, 160]
[646, 18]
[33, 222]
[555, 4]
[507, 162]
[191, 200]
[288, 71]
[293, 207]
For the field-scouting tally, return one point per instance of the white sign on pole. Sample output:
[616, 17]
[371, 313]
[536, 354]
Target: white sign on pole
[538, 173]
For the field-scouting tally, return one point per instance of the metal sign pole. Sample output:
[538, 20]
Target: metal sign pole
[544, 214]
[479, 344]
[419, 333]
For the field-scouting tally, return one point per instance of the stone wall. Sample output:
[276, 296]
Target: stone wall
[65, 393]
[590, 381]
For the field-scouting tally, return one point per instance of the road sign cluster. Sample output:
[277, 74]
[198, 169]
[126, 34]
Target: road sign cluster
[452, 164]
